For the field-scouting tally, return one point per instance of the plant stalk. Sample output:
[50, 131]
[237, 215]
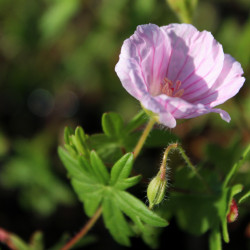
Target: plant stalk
[84, 230]
[143, 137]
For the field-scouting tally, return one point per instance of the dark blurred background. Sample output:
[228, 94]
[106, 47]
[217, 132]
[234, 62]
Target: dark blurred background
[57, 60]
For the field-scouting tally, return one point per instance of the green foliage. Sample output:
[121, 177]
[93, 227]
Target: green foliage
[73, 46]
[112, 145]
[57, 16]
[244, 197]
[232, 28]
[29, 171]
[96, 187]
[36, 242]
[197, 212]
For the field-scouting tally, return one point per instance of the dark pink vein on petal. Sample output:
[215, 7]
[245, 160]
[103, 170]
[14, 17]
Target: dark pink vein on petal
[139, 54]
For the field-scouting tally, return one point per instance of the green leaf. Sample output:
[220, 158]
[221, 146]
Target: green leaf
[87, 180]
[150, 236]
[160, 138]
[99, 168]
[37, 241]
[195, 213]
[244, 197]
[112, 125]
[132, 206]
[137, 121]
[68, 131]
[72, 165]
[115, 221]
[122, 168]
[109, 149]
[56, 17]
[215, 239]
[129, 182]
[90, 193]
[81, 142]
[18, 242]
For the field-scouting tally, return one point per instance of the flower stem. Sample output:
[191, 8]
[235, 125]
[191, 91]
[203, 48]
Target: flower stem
[84, 230]
[143, 137]
[188, 162]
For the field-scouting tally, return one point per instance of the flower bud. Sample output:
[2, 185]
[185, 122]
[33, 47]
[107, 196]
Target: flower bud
[233, 212]
[156, 189]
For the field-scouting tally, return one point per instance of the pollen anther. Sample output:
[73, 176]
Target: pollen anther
[171, 89]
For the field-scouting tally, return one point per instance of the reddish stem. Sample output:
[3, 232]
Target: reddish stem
[84, 230]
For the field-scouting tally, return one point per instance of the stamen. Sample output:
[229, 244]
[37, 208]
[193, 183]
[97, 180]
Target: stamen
[171, 89]
[177, 84]
[179, 93]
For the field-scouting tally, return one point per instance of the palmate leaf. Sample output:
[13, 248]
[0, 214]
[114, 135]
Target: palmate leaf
[115, 221]
[95, 187]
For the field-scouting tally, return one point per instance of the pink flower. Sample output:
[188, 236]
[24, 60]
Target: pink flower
[177, 72]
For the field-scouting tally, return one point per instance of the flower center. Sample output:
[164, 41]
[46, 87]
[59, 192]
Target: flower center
[171, 89]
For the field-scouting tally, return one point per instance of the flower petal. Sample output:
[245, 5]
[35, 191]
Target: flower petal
[143, 61]
[196, 58]
[180, 109]
[151, 103]
[226, 86]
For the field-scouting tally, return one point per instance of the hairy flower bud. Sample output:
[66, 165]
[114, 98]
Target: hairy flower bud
[156, 189]
[233, 212]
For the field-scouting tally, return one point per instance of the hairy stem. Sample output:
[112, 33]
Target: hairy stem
[143, 137]
[185, 158]
[188, 162]
[84, 230]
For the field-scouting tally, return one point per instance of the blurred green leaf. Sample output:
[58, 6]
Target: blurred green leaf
[57, 16]
[29, 171]
[112, 125]
[184, 9]
[18, 242]
[137, 121]
[244, 197]
[36, 242]
[236, 166]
